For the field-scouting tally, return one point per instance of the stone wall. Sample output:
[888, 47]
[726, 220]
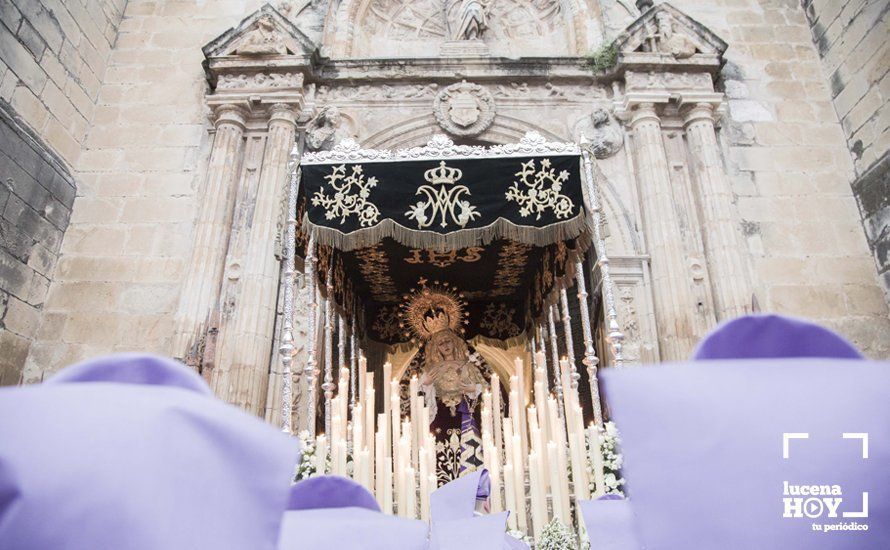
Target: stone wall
[53, 55]
[146, 154]
[852, 40]
[36, 196]
[52, 60]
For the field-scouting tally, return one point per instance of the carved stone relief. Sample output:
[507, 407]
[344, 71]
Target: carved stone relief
[668, 81]
[505, 25]
[602, 131]
[264, 39]
[259, 81]
[464, 109]
[328, 128]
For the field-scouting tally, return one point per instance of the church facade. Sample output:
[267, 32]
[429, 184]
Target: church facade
[725, 170]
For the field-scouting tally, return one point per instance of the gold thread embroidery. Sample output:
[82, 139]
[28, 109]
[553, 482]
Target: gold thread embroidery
[498, 320]
[386, 325]
[444, 259]
[350, 196]
[374, 266]
[540, 197]
[442, 200]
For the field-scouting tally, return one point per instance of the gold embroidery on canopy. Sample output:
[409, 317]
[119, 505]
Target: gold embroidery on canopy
[444, 199]
[498, 320]
[350, 196]
[539, 196]
[444, 259]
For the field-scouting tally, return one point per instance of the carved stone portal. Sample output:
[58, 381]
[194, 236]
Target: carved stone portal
[464, 109]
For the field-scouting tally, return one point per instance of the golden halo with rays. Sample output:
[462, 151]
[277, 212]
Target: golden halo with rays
[430, 308]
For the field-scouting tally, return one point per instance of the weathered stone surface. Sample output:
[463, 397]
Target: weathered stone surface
[144, 155]
[852, 41]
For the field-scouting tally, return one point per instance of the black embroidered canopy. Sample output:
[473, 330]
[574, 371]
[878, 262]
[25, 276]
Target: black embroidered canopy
[498, 224]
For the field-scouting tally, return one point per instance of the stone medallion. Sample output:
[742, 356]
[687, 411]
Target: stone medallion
[464, 109]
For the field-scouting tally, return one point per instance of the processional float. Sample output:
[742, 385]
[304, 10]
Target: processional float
[440, 273]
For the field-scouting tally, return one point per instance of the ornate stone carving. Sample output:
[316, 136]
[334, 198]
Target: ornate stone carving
[262, 40]
[325, 130]
[671, 40]
[384, 92]
[668, 81]
[470, 22]
[602, 132]
[631, 324]
[259, 81]
[666, 30]
[464, 109]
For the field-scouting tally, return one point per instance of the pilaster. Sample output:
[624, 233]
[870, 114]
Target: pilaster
[722, 237]
[204, 272]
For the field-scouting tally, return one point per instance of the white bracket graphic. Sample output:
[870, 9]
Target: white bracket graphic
[864, 512]
[787, 436]
[864, 438]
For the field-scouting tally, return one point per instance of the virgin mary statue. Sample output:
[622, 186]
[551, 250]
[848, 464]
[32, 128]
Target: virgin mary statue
[452, 379]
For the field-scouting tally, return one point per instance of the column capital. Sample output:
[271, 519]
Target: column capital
[283, 113]
[701, 106]
[645, 111]
[229, 113]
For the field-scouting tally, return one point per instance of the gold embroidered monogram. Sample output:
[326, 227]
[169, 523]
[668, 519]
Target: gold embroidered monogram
[350, 196]
[444, 199]
[444, 259]
[543, 192]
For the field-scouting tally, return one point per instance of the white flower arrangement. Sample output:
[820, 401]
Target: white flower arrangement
[613, 460]
[556, 536]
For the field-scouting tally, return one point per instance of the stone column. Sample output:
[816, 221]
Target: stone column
[200, 289]
[246, 344]
[676, 310]
[724, 245]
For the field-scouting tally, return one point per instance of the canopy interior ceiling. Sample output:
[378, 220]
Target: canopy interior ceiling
[497, 226]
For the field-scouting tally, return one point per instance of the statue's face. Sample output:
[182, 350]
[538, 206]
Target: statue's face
[446, 346]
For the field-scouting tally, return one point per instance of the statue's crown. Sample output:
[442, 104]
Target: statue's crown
[442, 174]
[435, 321]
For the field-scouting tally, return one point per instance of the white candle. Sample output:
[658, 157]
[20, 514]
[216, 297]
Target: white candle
[510, 495]
[387, 486]
[596, 459]
[556, 489]
[387, 378]
[519, 473]
[411, 494]
[379, 457]
[424, 485]
[336, 436]
[496, 408]
[321, 451]
[357, 435]
[362, 373]
[369, 430]
[539, 514]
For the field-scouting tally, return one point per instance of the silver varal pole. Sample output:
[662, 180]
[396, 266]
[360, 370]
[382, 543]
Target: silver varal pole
[328, 385]
[616, 337]
[286, 350]
[570, 344]
[590, 358]
[311, 370]
[353, 360]
[554, 353]
[341, 345]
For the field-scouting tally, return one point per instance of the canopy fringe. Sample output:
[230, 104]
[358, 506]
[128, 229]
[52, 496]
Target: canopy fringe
[500, 229]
